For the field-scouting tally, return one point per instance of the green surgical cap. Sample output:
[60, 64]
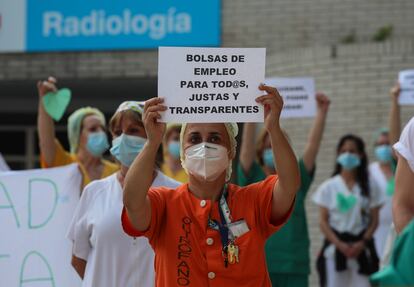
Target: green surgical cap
[232, 131]
[75, 124]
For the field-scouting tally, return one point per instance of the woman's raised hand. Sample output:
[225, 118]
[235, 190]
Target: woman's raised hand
[273, 105]
[44, 87]
[155, 129]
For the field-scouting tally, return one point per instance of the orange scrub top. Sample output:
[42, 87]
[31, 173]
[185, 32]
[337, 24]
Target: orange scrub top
[189, 253]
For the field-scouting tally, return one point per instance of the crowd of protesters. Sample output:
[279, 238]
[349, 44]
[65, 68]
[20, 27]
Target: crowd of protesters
[166, 209]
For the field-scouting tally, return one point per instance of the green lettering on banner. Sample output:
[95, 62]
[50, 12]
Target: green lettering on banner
[11, 205]
[36, 279]
[31, 181]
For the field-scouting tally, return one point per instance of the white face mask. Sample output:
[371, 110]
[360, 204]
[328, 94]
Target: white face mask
[206, 160]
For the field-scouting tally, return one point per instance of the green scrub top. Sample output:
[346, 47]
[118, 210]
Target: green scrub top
[287, 251]
[399, 272]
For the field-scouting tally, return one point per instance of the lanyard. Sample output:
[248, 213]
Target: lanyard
[222, 227]
[224, 211]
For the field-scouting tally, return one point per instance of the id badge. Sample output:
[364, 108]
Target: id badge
[238, 228]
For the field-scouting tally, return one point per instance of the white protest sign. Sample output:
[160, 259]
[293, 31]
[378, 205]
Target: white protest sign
[406, 80]
[211, 84]
[36, 207]
[298, 96]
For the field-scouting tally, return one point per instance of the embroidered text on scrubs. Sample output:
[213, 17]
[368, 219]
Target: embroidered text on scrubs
[184, 251]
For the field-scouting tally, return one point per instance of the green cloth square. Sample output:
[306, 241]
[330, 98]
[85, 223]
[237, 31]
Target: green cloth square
[55, 103]
[390, 187]
[344, 202]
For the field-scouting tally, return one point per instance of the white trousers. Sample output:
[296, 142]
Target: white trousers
[346, 278]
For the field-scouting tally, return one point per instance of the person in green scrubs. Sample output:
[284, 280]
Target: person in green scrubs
[400, 270]
[287, 251]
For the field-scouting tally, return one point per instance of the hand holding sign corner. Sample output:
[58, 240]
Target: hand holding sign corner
[151, 119]
[273, 105]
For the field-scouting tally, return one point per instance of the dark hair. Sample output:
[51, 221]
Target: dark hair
[362, 170]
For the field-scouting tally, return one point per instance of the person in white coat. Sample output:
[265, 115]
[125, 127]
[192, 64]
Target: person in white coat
[382, 172]
[103, 255]
[349, 204]
[403, 205]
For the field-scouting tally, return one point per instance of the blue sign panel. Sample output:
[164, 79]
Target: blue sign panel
[58, 25]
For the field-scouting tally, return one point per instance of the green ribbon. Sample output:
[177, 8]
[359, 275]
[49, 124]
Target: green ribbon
[55, 103]
[390, 187]
[345, 203]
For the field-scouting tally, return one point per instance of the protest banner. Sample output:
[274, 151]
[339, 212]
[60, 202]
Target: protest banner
[406, 80]
[211, 84]
[36, 207]
[298, 96]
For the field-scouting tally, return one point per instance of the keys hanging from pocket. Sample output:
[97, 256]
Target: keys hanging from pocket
[232, 253]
